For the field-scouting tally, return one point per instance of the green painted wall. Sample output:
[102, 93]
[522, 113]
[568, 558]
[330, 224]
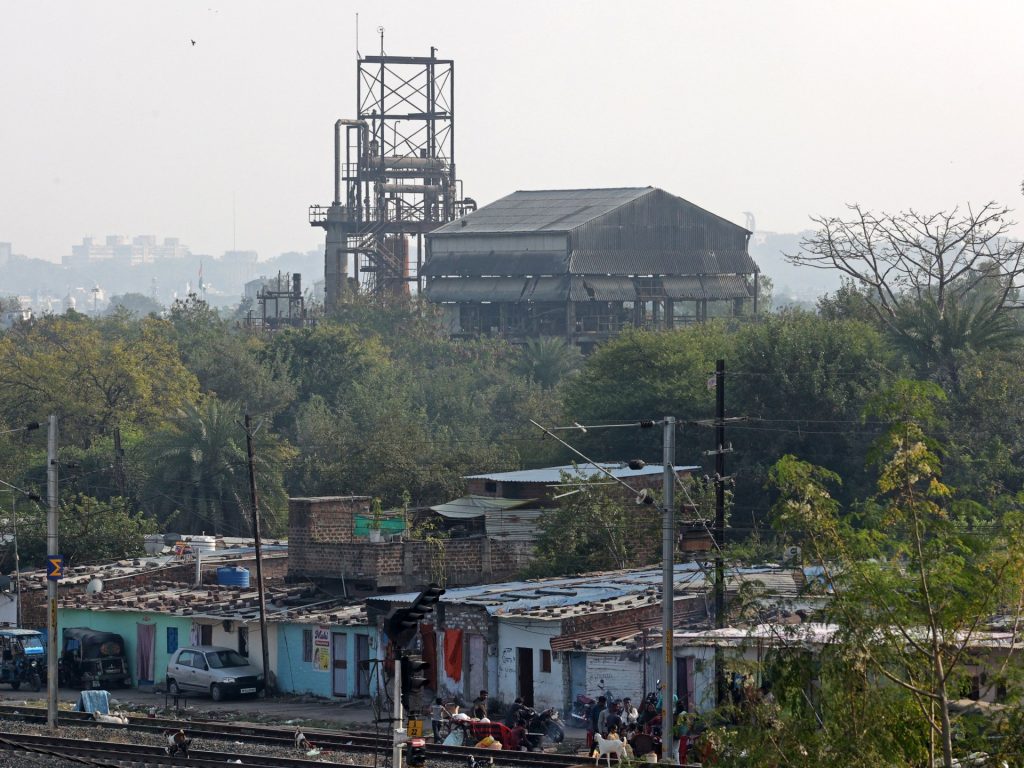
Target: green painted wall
[125, 624]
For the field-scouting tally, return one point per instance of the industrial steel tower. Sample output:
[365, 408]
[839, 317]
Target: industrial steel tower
[394, 175]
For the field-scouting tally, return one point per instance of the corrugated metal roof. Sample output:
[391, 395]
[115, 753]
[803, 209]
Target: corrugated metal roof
[602, 288]
[630, 261]
[725, 287]
[512, 524]
[551, 210]
[706, 287]
[683, 287]
[475, 289]
[496, 263]
[588, 471]
[530, 599]
[510, 289]
[476, 506]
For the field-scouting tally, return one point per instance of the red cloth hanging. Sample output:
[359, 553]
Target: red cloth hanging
[453, 653]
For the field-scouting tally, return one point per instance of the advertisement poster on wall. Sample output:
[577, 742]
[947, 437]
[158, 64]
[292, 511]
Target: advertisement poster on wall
[321, 649]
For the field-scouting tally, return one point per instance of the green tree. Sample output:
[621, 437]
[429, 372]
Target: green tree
[197, 467]
[595, 528]
[91, 531]
[95, 375]
[548, 360]
[913, 585]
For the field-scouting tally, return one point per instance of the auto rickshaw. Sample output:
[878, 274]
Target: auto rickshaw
[22, 658]
[91, 659]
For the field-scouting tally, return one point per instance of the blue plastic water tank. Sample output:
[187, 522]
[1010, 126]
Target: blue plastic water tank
[233, 576]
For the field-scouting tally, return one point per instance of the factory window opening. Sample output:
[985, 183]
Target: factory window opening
[545, 660]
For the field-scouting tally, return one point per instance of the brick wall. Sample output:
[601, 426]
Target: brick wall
[321, 546]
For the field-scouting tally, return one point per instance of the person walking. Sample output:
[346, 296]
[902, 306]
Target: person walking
[595, 713]
[436, 716]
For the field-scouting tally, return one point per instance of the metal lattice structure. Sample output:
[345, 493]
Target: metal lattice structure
[394, 175]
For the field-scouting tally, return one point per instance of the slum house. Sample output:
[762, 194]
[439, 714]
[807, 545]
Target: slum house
[613, 659]
[317, 644]
[145, 571]
[332, 542]
[533, 638]
[583, 264]
[507, 506]
[747, 653]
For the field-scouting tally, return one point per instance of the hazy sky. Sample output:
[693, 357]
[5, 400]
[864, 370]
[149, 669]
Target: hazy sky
[112, 122]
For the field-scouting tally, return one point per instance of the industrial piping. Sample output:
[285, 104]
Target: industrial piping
[363, 144]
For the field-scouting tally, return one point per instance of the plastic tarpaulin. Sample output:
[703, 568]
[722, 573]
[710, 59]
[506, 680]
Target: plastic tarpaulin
[453, 653]
[93, 701]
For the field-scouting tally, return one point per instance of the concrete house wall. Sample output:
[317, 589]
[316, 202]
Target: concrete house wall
[125, 623]
[548, 687]
[295, 675]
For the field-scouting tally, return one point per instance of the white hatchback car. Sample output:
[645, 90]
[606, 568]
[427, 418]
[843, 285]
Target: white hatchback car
[220, 672]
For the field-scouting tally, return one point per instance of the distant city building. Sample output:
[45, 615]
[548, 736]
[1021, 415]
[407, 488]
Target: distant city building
[19, 313]
[142, 249]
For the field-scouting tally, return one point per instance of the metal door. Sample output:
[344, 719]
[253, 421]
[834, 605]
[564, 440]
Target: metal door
[362, 668]
[476, 663]
[524, 674]
[577, 677]
[339, 663]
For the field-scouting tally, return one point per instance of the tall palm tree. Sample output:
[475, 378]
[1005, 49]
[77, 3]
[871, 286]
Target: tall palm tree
[198, 466]
[936, 338]
[548, 359]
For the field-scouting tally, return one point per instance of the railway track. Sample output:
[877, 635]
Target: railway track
[328, 741]
[108, 753]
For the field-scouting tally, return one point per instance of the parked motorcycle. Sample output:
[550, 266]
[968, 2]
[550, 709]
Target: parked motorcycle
[541, 725]
[580, 713]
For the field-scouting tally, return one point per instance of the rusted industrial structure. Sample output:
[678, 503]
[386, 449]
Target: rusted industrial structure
[585, 263]
[394, 175]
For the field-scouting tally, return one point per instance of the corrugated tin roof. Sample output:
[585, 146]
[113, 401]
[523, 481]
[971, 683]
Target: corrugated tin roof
[475, 289]
[588, 471]
[512, 524]
[476, 506]
[630, 261]
[496, 263]
[602, 288]
[548, 210]
[706, 287]
[573, 594]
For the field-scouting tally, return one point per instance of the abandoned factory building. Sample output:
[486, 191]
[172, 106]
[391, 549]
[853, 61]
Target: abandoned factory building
[583, 264]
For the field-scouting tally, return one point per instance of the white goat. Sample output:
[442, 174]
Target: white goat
[605, 747]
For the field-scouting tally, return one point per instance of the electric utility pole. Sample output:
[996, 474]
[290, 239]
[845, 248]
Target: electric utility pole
[54, 567]
[259, 553]
[720, 449]
[668, 543]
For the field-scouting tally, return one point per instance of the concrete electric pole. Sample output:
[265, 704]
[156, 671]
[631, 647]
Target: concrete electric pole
[54, 566]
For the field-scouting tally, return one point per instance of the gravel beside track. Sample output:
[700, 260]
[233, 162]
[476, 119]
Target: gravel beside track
[251, 743]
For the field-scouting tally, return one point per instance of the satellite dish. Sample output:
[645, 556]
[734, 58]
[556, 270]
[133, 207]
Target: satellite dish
[95, 586]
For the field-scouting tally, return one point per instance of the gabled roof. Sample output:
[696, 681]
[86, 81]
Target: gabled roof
[546, 210]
